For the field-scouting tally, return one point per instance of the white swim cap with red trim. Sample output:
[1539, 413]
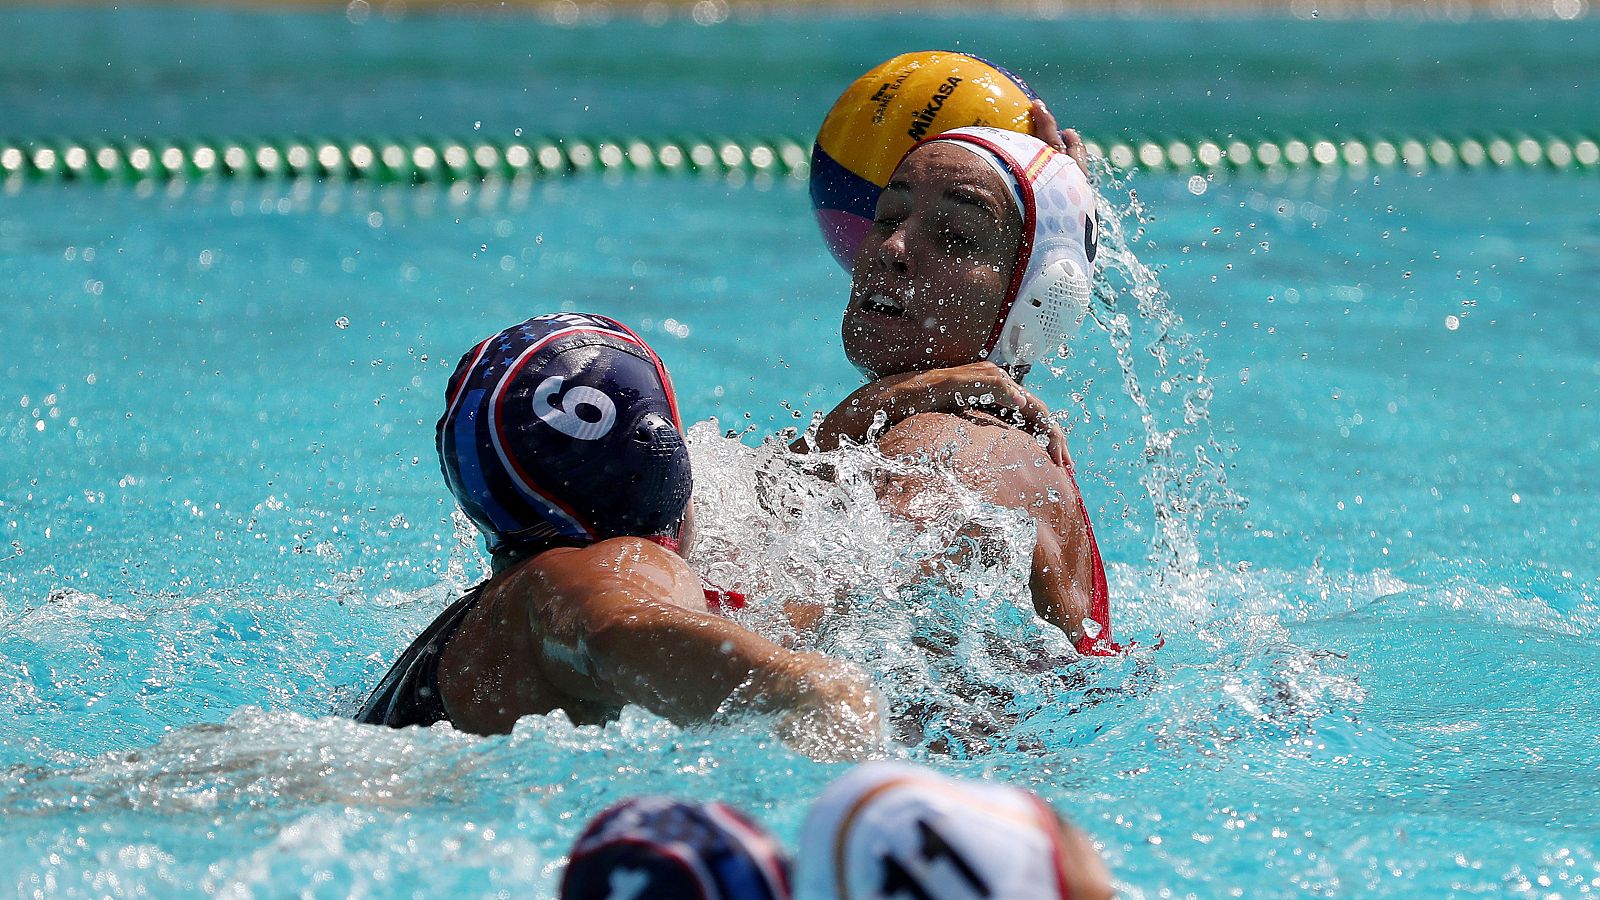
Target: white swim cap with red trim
[888, 830]
[1050, 286]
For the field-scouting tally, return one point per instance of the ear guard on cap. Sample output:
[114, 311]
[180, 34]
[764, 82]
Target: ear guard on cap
[1049, 307]
[1050, 290]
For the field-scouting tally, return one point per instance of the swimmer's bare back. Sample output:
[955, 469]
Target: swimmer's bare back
[588, 630]
[1007, 467]
[517, 652]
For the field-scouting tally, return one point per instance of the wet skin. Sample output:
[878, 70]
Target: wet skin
[929, 283]
[932, 275]
[589, 629]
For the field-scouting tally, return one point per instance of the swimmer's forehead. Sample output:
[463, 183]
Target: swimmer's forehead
[967, 180]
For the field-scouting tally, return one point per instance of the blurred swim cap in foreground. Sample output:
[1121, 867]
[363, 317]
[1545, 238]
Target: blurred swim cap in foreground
[656, 848]
[888, 830]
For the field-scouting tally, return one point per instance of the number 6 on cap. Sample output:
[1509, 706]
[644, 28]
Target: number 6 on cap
[570, 423]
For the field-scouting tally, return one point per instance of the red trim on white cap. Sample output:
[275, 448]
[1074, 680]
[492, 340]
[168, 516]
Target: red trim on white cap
[1052, 829]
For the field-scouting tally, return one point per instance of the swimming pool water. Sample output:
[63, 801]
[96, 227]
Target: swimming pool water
[221, 519]
[183, 72]
[221, 510]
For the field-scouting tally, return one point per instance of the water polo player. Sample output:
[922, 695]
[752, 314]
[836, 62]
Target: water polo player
[882, 831]
[978, 262]
[561, 441]
[888, 830]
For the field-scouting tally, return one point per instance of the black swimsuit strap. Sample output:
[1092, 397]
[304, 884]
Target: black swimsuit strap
[409, 694]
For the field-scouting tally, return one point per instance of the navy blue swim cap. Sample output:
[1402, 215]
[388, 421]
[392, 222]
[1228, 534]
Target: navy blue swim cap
[564, 430]
[662, 849]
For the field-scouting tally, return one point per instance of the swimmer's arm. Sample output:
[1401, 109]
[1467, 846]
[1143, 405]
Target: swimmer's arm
[980, 385]
[625, 630]
[1007, 468]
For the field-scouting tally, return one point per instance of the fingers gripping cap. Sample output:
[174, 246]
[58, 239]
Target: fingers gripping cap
[1050, 286]
[564, 429]
[654, 848]
[888, 830]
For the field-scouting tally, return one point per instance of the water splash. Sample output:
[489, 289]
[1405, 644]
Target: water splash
[1180, 463]
[938, 611]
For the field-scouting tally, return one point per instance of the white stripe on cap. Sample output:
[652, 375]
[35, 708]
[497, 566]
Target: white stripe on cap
[529, 491]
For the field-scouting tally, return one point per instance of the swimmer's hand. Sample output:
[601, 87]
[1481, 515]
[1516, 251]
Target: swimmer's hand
[827, 708]
[1066, 140]
[980, 385]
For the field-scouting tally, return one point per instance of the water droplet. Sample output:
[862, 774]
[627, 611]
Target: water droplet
[341, 323]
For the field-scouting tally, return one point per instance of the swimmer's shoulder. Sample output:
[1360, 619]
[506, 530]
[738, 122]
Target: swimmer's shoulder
[999, 459]
[622, 564]
[512, 654]
[976, 436]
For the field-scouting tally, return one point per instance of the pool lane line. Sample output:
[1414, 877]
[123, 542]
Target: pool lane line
[424, 160]
[390, 160]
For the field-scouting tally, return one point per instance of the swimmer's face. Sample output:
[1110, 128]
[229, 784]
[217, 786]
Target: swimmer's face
[931, 278]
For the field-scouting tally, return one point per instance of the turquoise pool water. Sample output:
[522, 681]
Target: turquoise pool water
[1374, 571]
[185, 72]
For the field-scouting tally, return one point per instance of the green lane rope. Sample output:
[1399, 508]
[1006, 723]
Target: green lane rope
[421, 160]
